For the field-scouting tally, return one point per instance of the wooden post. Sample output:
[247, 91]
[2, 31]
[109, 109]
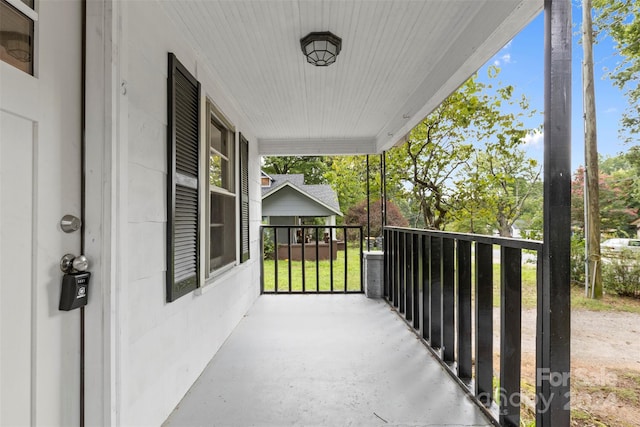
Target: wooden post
[593, 274]
[553, 334]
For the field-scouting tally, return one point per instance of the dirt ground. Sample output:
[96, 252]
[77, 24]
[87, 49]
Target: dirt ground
[605, 364]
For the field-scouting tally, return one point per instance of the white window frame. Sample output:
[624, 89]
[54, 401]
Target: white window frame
[213, 112]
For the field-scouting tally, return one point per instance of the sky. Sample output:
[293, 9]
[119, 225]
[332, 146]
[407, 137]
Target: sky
[522, 65]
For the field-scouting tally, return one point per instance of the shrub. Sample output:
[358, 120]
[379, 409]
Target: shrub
[621, 274]
[268, 245]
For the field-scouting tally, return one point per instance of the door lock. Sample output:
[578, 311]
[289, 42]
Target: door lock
[70, 223]
[71, 263]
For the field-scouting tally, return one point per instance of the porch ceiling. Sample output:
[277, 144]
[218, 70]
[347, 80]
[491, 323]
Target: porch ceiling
[399, 60]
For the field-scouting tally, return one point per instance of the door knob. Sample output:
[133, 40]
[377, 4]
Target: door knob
[71, 263]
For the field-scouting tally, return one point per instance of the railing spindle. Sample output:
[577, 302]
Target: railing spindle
[510, 335]
[408, 268]
[304, 243]
[415, 257]
[289, 255]
[344, 230]
[464, 310]
[426, 287]
[275, 259]
[484, 323]
[436, 293]
[448, 300]
[402, 274]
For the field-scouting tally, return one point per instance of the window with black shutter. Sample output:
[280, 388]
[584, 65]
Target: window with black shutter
[244, 199]
[183, 228]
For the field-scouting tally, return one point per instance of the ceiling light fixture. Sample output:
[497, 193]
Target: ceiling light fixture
[321, 49]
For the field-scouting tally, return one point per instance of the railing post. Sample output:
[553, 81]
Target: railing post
[448, 300]
[464, 310]
[554, 312]
[484, 323]
[510, 335]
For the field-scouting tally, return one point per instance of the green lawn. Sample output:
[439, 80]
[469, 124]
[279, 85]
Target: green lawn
[324, 272]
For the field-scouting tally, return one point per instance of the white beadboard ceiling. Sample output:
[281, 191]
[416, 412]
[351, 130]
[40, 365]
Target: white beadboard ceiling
[399, 60]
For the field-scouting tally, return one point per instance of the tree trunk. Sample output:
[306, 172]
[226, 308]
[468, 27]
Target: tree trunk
[593, 274]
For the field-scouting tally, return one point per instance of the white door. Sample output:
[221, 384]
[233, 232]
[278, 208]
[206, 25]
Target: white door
[40, 134]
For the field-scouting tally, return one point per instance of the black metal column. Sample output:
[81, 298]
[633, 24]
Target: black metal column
[554, 325]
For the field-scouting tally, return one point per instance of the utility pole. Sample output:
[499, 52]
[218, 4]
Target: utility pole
[593, 274]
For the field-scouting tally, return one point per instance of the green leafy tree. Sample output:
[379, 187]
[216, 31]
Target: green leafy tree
[508, 179]
[620, 19]
[454, 180]
[347, 175]
[312, 167]
[434, 151]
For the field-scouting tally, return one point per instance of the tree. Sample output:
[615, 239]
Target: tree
[312, 167]
[347, 175]
[501, 180]
[620, 19]
[434, 151]
[617, 211]
[358, 215]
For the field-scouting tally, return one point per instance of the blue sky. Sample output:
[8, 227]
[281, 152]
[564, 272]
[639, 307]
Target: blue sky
[522, 65]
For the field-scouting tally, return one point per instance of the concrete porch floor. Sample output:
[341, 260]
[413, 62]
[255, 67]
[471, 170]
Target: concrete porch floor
[324, 360]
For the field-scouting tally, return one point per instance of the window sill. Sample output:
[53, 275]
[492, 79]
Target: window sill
[218, 277]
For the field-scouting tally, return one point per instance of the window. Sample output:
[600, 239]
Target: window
[183, 218]
[221, 245]
[17, 33]
[208, 169]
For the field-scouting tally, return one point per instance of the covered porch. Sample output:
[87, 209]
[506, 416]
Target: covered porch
[325, 360]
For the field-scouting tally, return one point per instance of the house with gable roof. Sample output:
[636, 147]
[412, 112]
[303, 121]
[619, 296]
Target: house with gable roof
[287, 200]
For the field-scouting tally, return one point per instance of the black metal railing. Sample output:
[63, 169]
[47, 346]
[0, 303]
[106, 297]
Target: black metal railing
[311, 259]
[430, 277]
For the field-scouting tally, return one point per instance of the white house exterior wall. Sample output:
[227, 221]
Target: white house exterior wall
[159, 348]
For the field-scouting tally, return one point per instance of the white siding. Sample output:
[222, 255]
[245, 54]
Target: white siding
[164, 347]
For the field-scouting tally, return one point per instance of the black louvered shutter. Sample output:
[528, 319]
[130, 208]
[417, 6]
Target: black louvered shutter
[183, 225]
[244, 199]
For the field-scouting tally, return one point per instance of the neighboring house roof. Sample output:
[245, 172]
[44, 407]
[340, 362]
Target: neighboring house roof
[320, 193]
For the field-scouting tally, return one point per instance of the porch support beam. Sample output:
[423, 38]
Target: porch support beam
[316, 147]
[554, 304]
